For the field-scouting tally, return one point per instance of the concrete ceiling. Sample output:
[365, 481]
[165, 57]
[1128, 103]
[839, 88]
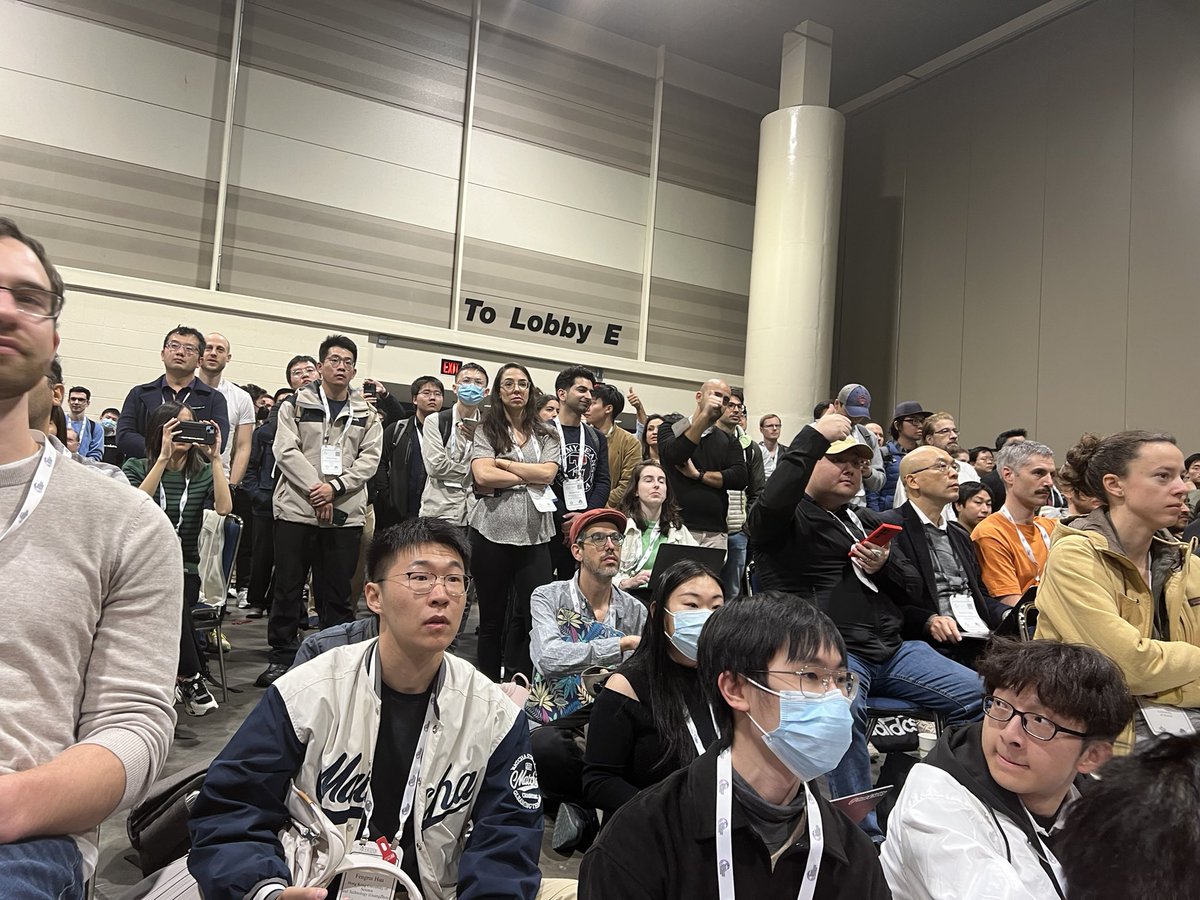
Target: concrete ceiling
[874, 41]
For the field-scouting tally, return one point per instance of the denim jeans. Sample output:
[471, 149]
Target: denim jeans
[735, 561]
[42, 869]
[919, 675]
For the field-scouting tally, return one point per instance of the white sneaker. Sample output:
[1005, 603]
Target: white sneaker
[196, 697]
[243, 598]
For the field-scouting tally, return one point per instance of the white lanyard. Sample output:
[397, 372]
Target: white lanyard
[329, 417]
[183, 498]
[182, 401]
[692, 730]
[36, 490]
[562, 449]
[1024, 543]
[857, 522]
[414, 772]
[648, 549]
[816, 834]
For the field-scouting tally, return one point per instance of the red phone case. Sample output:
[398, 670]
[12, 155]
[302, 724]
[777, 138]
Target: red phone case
[883, 535]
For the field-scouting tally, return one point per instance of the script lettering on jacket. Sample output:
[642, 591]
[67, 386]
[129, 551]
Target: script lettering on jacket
[449, 796]
[341, 782]
[546, 323]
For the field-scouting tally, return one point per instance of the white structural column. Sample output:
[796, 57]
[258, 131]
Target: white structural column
[793, 270]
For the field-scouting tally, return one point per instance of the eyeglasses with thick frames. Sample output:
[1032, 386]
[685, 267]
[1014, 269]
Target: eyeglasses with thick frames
[36, 303]
[1034, 725]
[941, 467]
[177, 347]
[816, 681]
[339, 361]
[422, 583]
[913, 420]
[599, 539]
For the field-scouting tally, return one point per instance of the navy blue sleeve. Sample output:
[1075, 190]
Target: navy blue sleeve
[501, 857]
[130, 440]
[236, 820]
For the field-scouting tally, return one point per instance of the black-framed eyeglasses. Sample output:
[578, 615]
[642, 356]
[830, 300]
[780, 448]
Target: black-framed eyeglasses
[36, 303]
[421, 583]
[941, 467]
[599, 539]
[817, 681]
[1034, 725]
[914, 420]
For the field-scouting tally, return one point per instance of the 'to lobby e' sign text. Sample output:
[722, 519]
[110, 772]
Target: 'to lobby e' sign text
[526, 321]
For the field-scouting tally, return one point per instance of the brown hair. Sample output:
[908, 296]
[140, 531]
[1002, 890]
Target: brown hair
[632, 506]
[1093, 457]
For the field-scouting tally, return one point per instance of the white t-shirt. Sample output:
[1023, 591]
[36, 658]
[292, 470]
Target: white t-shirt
[241, 412]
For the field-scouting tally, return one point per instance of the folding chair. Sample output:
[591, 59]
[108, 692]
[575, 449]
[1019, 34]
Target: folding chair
[210, 617]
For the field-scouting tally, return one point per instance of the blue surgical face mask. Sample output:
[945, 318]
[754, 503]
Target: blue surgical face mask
[470, 394]
[813, 734]
[108, 424]
[688, 624]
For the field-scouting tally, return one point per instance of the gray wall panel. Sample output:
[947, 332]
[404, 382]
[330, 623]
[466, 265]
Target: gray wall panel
[708, 145]
[696, 326]
[204, 25]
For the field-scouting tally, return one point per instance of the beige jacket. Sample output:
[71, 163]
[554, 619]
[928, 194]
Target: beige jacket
[301, 433]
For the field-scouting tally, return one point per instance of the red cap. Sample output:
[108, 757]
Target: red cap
[593, 517]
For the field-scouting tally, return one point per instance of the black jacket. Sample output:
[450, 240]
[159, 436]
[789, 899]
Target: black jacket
[913, 543]
[204, 402]
[799, 547]
[259, 479]
[704, 508]
[662, 844]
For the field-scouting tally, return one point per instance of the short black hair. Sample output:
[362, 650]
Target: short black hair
[9, 229]
[54, 371]
[338, 340]
[975, 451]
[609, 396]
[287, 372]
[185, 331]
[1194, 458]
[821, 407]
[474, 367]
[256, 393]
[282, 392]
[1134, 832]
[967, 490]
[743, 635]
[111, 409]
[390, 542]
[419, 384]
[1072, 680]
[1003, 436]
[566, 378]
[80, 389]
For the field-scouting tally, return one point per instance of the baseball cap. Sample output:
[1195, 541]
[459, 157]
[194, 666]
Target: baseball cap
[856, 399]
[907, 408]
[594, 517]
[850, 443]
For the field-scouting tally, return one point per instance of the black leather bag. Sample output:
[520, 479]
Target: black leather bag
[157, 826]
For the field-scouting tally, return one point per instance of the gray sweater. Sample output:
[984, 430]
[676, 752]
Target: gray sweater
[93, 583]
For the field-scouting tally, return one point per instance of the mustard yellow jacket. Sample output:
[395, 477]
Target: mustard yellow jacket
[1092, 593]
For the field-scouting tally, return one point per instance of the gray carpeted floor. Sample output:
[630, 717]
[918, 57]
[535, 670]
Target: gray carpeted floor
[199, 740]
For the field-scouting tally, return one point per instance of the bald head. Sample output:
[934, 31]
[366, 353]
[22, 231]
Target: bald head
[215, 356]
[930, 473]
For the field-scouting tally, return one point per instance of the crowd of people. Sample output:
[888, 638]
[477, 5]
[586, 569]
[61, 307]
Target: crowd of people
[683, 635]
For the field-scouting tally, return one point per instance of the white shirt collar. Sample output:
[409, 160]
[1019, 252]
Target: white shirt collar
[925, 520]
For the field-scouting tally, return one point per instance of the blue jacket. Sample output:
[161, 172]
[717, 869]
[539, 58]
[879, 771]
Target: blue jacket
[204, 402]
[478, 801]
[91, 439]
[881, 500]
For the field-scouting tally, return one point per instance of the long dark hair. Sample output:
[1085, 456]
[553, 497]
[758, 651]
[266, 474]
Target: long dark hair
[646, 433]
[666, 678]
[154, 426]
[495, 418]
[632, 507]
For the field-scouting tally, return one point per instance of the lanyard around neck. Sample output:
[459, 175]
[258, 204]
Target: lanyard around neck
[692, 730]
[562, 449]
[816, 834]
[183, 499]
[329, 417]
[36, 490]
[853, 518]
[1020, 534]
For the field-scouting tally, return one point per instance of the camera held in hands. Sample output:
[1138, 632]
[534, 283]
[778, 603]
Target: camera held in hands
[195, 433]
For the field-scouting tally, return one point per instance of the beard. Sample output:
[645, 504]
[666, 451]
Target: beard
[20, 374]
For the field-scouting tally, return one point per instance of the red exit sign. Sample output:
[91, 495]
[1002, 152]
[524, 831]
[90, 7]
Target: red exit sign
[451, 366]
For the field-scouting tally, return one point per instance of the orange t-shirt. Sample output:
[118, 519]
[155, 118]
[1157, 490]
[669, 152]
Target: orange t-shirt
[1007, 568]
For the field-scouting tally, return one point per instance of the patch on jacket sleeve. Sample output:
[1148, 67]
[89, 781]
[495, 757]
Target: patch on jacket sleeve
[1193, 601]
[524, 782]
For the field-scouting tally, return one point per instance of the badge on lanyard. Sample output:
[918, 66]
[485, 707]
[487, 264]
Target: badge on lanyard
[574, 496]
[543, 498]
[574, 493]
[969, 622]
[367, 884]
[331, 459]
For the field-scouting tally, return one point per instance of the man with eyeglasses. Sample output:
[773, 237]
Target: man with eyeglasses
[908, 418]
[91, 628]
[939, 431]
[951, 596]
[703, 463]
[747, 813]
[400, 480]
[416, 760]
[808, 540]
[326, 448]
[585, 623]
[733, 422]
[981, 815]
[180, 356]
